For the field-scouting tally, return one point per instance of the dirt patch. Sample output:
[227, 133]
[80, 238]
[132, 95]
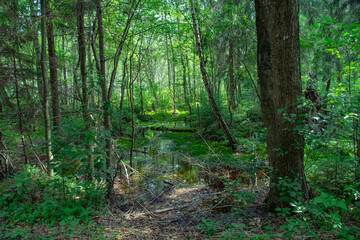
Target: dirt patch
[174, 212]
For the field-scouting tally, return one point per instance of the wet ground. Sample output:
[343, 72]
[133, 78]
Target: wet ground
[169, 194]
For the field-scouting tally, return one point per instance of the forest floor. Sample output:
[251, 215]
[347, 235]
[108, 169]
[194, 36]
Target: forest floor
[175, 194]
[179, 212]
[185, 200]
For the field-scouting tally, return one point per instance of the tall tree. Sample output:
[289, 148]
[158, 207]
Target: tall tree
[232, 142]
[45, 100]
[232, 84]
[20, 112]
[106, 104]
[85, 89]
[53, 66]
[286, 133]
[264, 73]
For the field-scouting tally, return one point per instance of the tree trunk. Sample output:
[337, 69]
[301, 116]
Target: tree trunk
[141, 98]
[223, 125]
[131, 100]
[20, 118]
[185, 86]
[53, 67]
[232, 85]
[85, 89]
[65, 95]
[119, 49]
[288, 138]
[105, 101]
[45, 100]
[264, 73]
[173, 81]
[6, 167]
[76, 96]
[123, 86]
[38, 56]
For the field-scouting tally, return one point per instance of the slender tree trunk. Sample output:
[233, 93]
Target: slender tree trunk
[141, 97]
[152, 86]
[190, 97]
[38, 60]
[45, 100]
[66, 90]
[20, 117]
[232, 142]
[173, 66]
[119, 49]
[168, 66]
[76, 92]
[232, 84]
[123, 87]
[91, 68]
[106, 104]
[131, 99]
[53, 67]
[187, 103]
[85, 89]
[194, 74]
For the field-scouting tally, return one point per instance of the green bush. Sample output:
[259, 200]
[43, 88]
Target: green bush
[34, 198]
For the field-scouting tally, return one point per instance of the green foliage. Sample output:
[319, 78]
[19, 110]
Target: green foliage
[71, 150]
[34, 198]
[208, 226]
[325, 214]
[290, 190]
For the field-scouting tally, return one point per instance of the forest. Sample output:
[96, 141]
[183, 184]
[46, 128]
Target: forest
[179, 119]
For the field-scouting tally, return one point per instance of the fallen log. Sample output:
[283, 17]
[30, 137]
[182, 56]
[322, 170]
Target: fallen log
[167, 129]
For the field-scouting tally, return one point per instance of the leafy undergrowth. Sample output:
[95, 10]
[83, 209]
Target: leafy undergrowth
[35, 206]
[324, 217]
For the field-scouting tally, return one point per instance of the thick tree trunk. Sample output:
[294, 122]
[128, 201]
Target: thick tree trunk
[223, 125]
[288, 137]
[53, 68]
[264, 73]
[45, 100]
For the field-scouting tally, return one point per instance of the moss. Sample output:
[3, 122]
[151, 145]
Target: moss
[192, 144]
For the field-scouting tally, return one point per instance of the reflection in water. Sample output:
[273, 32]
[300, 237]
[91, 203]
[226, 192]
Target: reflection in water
[159, 164]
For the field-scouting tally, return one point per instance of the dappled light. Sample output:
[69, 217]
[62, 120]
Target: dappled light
[179, 119]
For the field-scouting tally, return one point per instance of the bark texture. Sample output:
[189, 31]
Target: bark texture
[264, 73]
[281, 76]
